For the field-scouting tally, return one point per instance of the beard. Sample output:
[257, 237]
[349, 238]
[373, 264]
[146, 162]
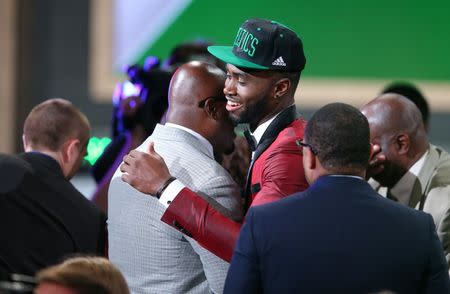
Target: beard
[390, 175]
[251, 114]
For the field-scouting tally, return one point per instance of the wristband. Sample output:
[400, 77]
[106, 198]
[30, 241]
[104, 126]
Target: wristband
[164, 186]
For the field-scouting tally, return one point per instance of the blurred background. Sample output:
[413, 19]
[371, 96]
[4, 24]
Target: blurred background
[80, 50]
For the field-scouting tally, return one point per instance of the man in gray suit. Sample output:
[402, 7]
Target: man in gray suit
[154, 257]
[409, 169]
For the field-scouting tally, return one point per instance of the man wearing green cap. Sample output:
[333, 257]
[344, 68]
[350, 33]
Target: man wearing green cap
[263, 71]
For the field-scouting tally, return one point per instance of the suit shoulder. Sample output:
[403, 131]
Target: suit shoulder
[13, 169]
[287, 138]
[441, 175]
[280, 206]
[402, 212]
[296, 129]
[14, 162]
[70, 193]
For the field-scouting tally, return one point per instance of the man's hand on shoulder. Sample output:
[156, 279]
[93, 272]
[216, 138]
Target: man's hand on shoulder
[146, 172]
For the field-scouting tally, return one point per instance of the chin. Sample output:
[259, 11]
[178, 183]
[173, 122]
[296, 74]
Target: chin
[236, 119]
[239, 117]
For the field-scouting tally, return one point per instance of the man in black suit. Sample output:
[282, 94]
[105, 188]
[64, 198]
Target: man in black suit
[42, 216]
[339, 236]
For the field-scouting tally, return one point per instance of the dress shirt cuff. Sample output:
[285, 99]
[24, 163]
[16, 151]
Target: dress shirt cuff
[171, 192]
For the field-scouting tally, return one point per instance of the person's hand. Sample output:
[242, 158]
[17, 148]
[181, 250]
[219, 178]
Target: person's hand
[145, 172]
[376, 162]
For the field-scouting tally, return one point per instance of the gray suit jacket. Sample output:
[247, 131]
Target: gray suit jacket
[431, 193]
[154, 257]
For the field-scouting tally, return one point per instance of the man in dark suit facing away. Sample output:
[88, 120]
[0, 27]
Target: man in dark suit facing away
[43, 217]
[339, 236]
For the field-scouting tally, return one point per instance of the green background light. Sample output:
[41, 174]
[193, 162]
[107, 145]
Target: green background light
[384, 39]
[95, 148]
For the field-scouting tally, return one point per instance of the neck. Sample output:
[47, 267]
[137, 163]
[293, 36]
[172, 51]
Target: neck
[52, 154]
[268, 116]
[354, 172]
[192, 125]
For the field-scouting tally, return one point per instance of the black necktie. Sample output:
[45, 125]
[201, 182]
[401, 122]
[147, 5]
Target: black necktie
[250, 140]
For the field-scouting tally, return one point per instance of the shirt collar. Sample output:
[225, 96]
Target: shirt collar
[202, 139]
[348, 176]
[403, 189]
[260, 130]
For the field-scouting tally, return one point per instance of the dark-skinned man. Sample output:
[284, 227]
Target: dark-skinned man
[411, 171]
[263, 70]
[154, 257]
[338, 236]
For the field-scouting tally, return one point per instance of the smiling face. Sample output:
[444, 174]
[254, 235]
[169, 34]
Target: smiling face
[250, 95]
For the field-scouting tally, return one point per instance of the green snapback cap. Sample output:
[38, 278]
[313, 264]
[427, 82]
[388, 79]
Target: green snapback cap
[264, 45]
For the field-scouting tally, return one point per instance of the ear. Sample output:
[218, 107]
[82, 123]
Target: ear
[402, 143]
[70, 151]
[309, 159]
[282, 87]
[25, 143]
[212, 109]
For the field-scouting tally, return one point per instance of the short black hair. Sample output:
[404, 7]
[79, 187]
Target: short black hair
[412, 93]
[340, 135]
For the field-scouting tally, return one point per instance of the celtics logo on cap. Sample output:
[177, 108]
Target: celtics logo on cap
[246, 42]
[264, 45]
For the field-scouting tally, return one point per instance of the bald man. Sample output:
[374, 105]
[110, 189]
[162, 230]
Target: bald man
[154, 257]
[414, 172]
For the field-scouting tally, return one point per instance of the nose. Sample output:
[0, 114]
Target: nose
[230, 87]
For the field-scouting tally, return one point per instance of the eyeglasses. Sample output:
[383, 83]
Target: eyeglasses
[202, 103]
[303, 144]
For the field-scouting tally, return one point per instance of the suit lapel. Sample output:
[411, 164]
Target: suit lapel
[422, 183]
[284, 119]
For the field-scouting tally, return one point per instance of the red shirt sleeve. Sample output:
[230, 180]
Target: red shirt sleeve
[195, 217]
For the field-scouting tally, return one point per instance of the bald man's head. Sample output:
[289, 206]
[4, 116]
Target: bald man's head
[191, 84]
[396, 126]
[197, 102]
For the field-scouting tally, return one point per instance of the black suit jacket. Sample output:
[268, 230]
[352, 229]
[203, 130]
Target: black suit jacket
[43, 218]
[339, 236]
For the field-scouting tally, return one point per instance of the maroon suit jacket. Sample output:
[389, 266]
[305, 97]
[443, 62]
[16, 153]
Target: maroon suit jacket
[276, 172]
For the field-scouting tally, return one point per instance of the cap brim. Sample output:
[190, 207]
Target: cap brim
[225, 53]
